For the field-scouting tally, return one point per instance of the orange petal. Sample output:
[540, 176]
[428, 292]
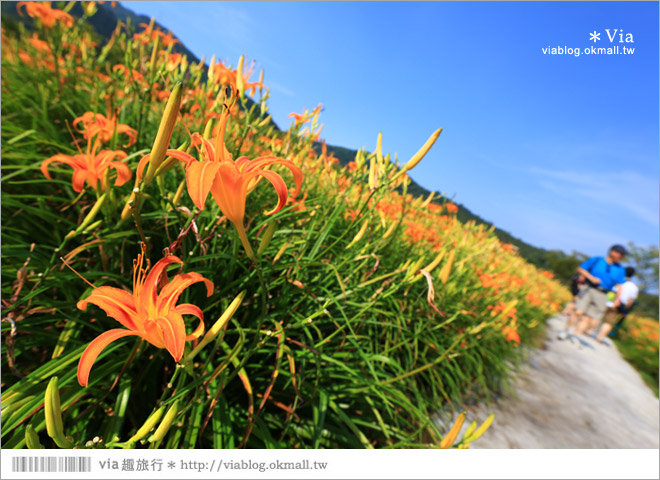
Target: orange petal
[182, 156]
[170, 293]
[174, 334]
[151, 282]
[280, 188]
[123, 173]
[199, 178]
[141, 165]
[229, 191]
[240, 162]
[116, 303]
[188, 309]
[93, 350]
[123, 128]
[78, 180]
[209, 150]
[67, 160]
[261, 162]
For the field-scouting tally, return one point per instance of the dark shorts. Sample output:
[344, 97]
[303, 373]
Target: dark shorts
[613, 316]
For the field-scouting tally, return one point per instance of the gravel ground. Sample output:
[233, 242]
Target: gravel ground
[567, 397]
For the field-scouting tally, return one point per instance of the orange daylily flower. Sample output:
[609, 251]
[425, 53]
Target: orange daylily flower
[39, 44]
[167, 39]
[91, 166]
[173, 60]
[226, 76]
[511, 334]
[149, 34]
[306, 116]
[45, 13]
[91, 74]
[129, 74]
[299, 118]
[227, 180]
[96, 124]
[147, 313]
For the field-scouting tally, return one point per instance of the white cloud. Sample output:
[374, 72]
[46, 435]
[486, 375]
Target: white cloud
[276, 87]
[634, 193]
[552, 229]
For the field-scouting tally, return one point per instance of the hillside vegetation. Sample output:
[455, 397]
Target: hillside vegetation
[179, 273]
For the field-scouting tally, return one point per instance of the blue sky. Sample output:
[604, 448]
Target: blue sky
[559, 150]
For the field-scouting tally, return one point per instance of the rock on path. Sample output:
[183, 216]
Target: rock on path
[566, 397]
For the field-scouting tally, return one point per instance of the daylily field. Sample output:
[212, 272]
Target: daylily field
[178, 272]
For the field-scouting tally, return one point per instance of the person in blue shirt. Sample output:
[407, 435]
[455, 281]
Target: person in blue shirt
[602, 274]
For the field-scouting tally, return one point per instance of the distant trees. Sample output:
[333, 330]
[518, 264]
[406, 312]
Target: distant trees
[563, 265]
[645, 261]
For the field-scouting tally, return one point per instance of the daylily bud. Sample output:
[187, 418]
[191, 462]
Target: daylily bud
[31, 438]
[126, 212]
[208, 130]
[480, 431]
[92, 226]
[359, 160]
[446, 268]
[416, 265]
[264, 122]
[211, 71]
[89, 218]
[428, 200]
[165, 425]
[268, 235]
[373, 173]
[164, 134]
[179, 192]
[379, 148]
[89, 8]
[149, 425]
[240, 84]
[280, 252]
[217, 326]
[422, 151]
[154, 57]
[435, 262]
[448, 440]
[390, 230]
[360, 233]
[53, 411]
[469, 430]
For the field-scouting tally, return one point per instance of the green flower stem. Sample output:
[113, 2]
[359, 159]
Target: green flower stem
[246, 242]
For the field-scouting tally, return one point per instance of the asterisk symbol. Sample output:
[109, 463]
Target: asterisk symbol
[594, 36]
[171, 464]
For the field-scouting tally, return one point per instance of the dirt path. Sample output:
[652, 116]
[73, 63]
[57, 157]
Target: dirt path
[573, 398]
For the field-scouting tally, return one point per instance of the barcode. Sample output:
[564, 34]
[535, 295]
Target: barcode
[51, 464]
